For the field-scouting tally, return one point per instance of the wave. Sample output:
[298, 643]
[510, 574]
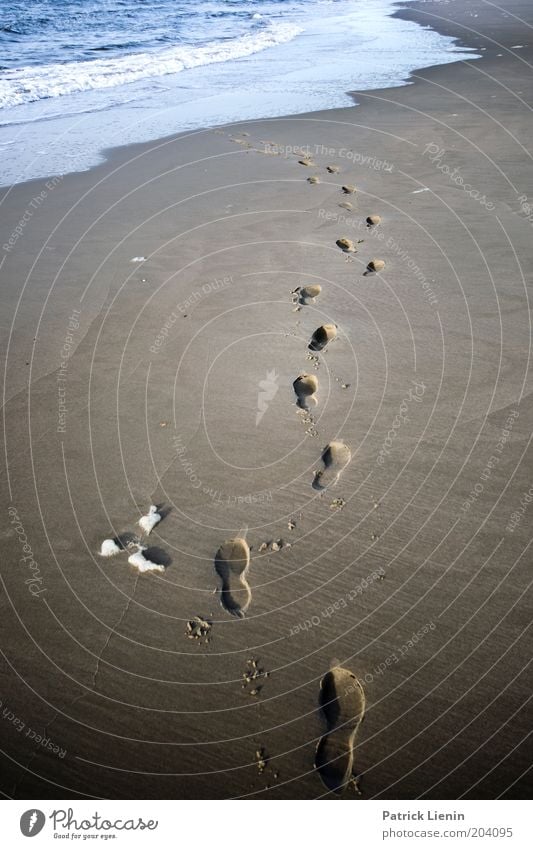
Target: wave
[25, 85]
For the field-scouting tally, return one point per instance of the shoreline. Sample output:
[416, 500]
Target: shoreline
[133, 378]
[108, 153]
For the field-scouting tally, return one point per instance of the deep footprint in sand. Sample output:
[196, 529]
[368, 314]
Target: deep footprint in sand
[342, 700]
[375, 266]
[305, 387]
[346, 245]
[307, 294]
[322, 335]
[232, 562]
[335, 458]
[117, 544]
[142, 563]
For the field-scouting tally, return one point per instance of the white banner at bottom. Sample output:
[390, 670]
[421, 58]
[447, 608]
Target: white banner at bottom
[266, 825]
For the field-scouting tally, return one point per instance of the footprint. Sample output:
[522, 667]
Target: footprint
[373, 220]
[305, 387]
[345, 204]
[335, 458]
[374, 266]
[142, 563]
[346, 245]
[313, 180]
[232, 562]
[307, 162]
[342, 700]
[322, 335]
[118, 544]
[332, 169]
[306, 294]
[109, 548]
[148, 522]
[349, 190]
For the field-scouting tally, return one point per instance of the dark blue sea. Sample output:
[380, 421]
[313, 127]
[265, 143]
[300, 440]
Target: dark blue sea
[77, 76]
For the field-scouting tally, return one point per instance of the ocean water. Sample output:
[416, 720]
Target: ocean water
[79, 76]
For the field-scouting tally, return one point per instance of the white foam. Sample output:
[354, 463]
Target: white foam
[24, 85]
[109, 548]
[151, 519]
[142, 564]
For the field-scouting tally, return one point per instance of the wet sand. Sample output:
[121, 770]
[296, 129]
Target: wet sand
[152, 339]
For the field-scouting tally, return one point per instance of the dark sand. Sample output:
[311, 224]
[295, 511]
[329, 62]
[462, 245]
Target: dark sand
[186, 401]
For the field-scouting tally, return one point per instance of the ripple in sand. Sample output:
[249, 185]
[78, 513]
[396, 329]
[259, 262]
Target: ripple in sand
[342, 700]
[232, 562]
[335, 458]
[322, 335]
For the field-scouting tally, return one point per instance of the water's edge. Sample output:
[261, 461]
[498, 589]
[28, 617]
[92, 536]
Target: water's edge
[100, 152]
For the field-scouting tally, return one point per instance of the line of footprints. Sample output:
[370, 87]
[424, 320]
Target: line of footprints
[342, 699]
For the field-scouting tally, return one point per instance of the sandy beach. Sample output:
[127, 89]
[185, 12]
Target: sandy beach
[154, 323]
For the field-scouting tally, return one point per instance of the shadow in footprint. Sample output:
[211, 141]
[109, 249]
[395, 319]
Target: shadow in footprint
[342, 700]
[158, 555]
[232, 562]
[346, 245]
[335, 458]
[374, 267]
[126, 540]
[305, 387]
[164, 511]
[322, 335]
